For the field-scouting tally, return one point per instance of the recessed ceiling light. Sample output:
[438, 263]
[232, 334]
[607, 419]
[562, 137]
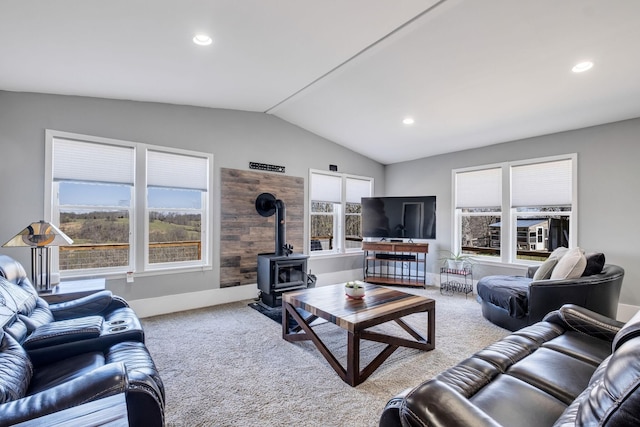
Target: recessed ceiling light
[408, 121]
[582, 66]
[202, 40]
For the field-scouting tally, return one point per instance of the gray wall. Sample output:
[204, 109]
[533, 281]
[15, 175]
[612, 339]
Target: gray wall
[234, 137]
[608, 181]
[607, 171]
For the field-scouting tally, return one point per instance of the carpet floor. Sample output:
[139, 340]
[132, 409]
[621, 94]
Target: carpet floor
[229, 366]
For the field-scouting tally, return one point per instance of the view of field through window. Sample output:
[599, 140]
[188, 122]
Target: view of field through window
[101, 238]
[97, 217]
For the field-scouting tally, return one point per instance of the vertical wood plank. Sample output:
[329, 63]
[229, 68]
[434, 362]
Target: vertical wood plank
[243, 232]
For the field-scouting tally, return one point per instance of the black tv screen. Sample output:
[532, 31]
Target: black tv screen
[399, 217]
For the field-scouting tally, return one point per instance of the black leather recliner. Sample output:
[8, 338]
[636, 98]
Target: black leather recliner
[29, 391]
[92, 322]
[55, 357]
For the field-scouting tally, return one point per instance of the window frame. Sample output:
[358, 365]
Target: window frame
[509, 214]
[139, 210]
[339, 214]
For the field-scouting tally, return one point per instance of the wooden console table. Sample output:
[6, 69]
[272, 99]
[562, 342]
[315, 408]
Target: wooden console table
[395, 263]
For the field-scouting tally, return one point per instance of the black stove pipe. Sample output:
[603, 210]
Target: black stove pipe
[267, 205]
[281, 228]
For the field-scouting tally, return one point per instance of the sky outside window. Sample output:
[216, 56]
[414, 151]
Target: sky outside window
[94, 194]
[100, 194]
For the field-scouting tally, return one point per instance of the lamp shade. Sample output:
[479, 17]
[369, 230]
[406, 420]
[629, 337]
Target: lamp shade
[40, 234]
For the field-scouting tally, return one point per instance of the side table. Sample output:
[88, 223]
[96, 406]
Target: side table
[71, 289]
[460, 281]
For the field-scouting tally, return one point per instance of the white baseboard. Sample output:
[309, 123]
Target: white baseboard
[189, 301]
[180, 302]
[626, 312]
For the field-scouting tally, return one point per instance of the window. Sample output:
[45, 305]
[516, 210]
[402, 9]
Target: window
[176, 197]
[538, 197]
[478, 206]
[92, 188]
[335, 222]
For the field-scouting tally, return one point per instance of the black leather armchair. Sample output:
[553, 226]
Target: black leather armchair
[514, 302]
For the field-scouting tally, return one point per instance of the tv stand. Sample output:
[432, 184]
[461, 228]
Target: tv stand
[393, 263]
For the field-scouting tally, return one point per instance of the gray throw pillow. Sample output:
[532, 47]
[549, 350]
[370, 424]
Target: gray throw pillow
[570, 266]
[546, 268]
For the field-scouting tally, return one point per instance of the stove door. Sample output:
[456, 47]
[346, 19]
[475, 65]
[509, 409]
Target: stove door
[289, 274]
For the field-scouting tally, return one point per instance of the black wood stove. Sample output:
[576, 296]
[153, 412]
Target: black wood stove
[282, 270]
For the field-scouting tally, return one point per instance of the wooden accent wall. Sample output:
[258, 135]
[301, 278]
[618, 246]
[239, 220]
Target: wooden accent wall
[243, 232]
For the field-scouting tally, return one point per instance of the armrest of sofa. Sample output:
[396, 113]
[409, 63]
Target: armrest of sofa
[105, 381]
[586, 321]
[436, 403]
[97, 303]
[391, 414]
[64, 331]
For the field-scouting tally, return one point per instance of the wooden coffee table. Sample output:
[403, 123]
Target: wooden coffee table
[380, 305]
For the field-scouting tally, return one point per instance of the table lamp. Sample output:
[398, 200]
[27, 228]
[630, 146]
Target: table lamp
[40, 236]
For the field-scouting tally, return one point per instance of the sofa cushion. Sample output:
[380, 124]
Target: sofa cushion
[510, 401]
[546, 268]
[65, 370]
[570, 266]
[581, 346]
[595, 263]
[38, 317]
[14, 300]
[16, 369]
[562, 376]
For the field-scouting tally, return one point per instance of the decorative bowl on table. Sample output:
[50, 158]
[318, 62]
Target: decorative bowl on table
[354, 290]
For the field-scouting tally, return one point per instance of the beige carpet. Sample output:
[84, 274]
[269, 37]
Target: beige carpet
[229, 366]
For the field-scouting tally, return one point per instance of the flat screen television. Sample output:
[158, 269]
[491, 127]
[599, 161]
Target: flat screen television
[399, 217]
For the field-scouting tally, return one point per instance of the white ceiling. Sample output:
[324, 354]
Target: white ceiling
[471, 73]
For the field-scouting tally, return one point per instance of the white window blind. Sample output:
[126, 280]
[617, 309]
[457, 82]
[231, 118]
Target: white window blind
[95, 162]
[479, 188]
[542, 184]
[177, 171]
[356, 189]
[326, 188]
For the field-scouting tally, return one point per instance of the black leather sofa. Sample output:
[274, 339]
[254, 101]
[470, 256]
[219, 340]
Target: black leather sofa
[60, 356]
[513, 302]
[574, 368]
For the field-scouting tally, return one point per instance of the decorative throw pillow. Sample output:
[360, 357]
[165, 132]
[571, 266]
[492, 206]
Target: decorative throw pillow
[544, 271]
[595, 264]
[570, 266]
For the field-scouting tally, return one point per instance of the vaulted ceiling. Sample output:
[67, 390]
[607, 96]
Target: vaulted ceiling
[468, 72]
